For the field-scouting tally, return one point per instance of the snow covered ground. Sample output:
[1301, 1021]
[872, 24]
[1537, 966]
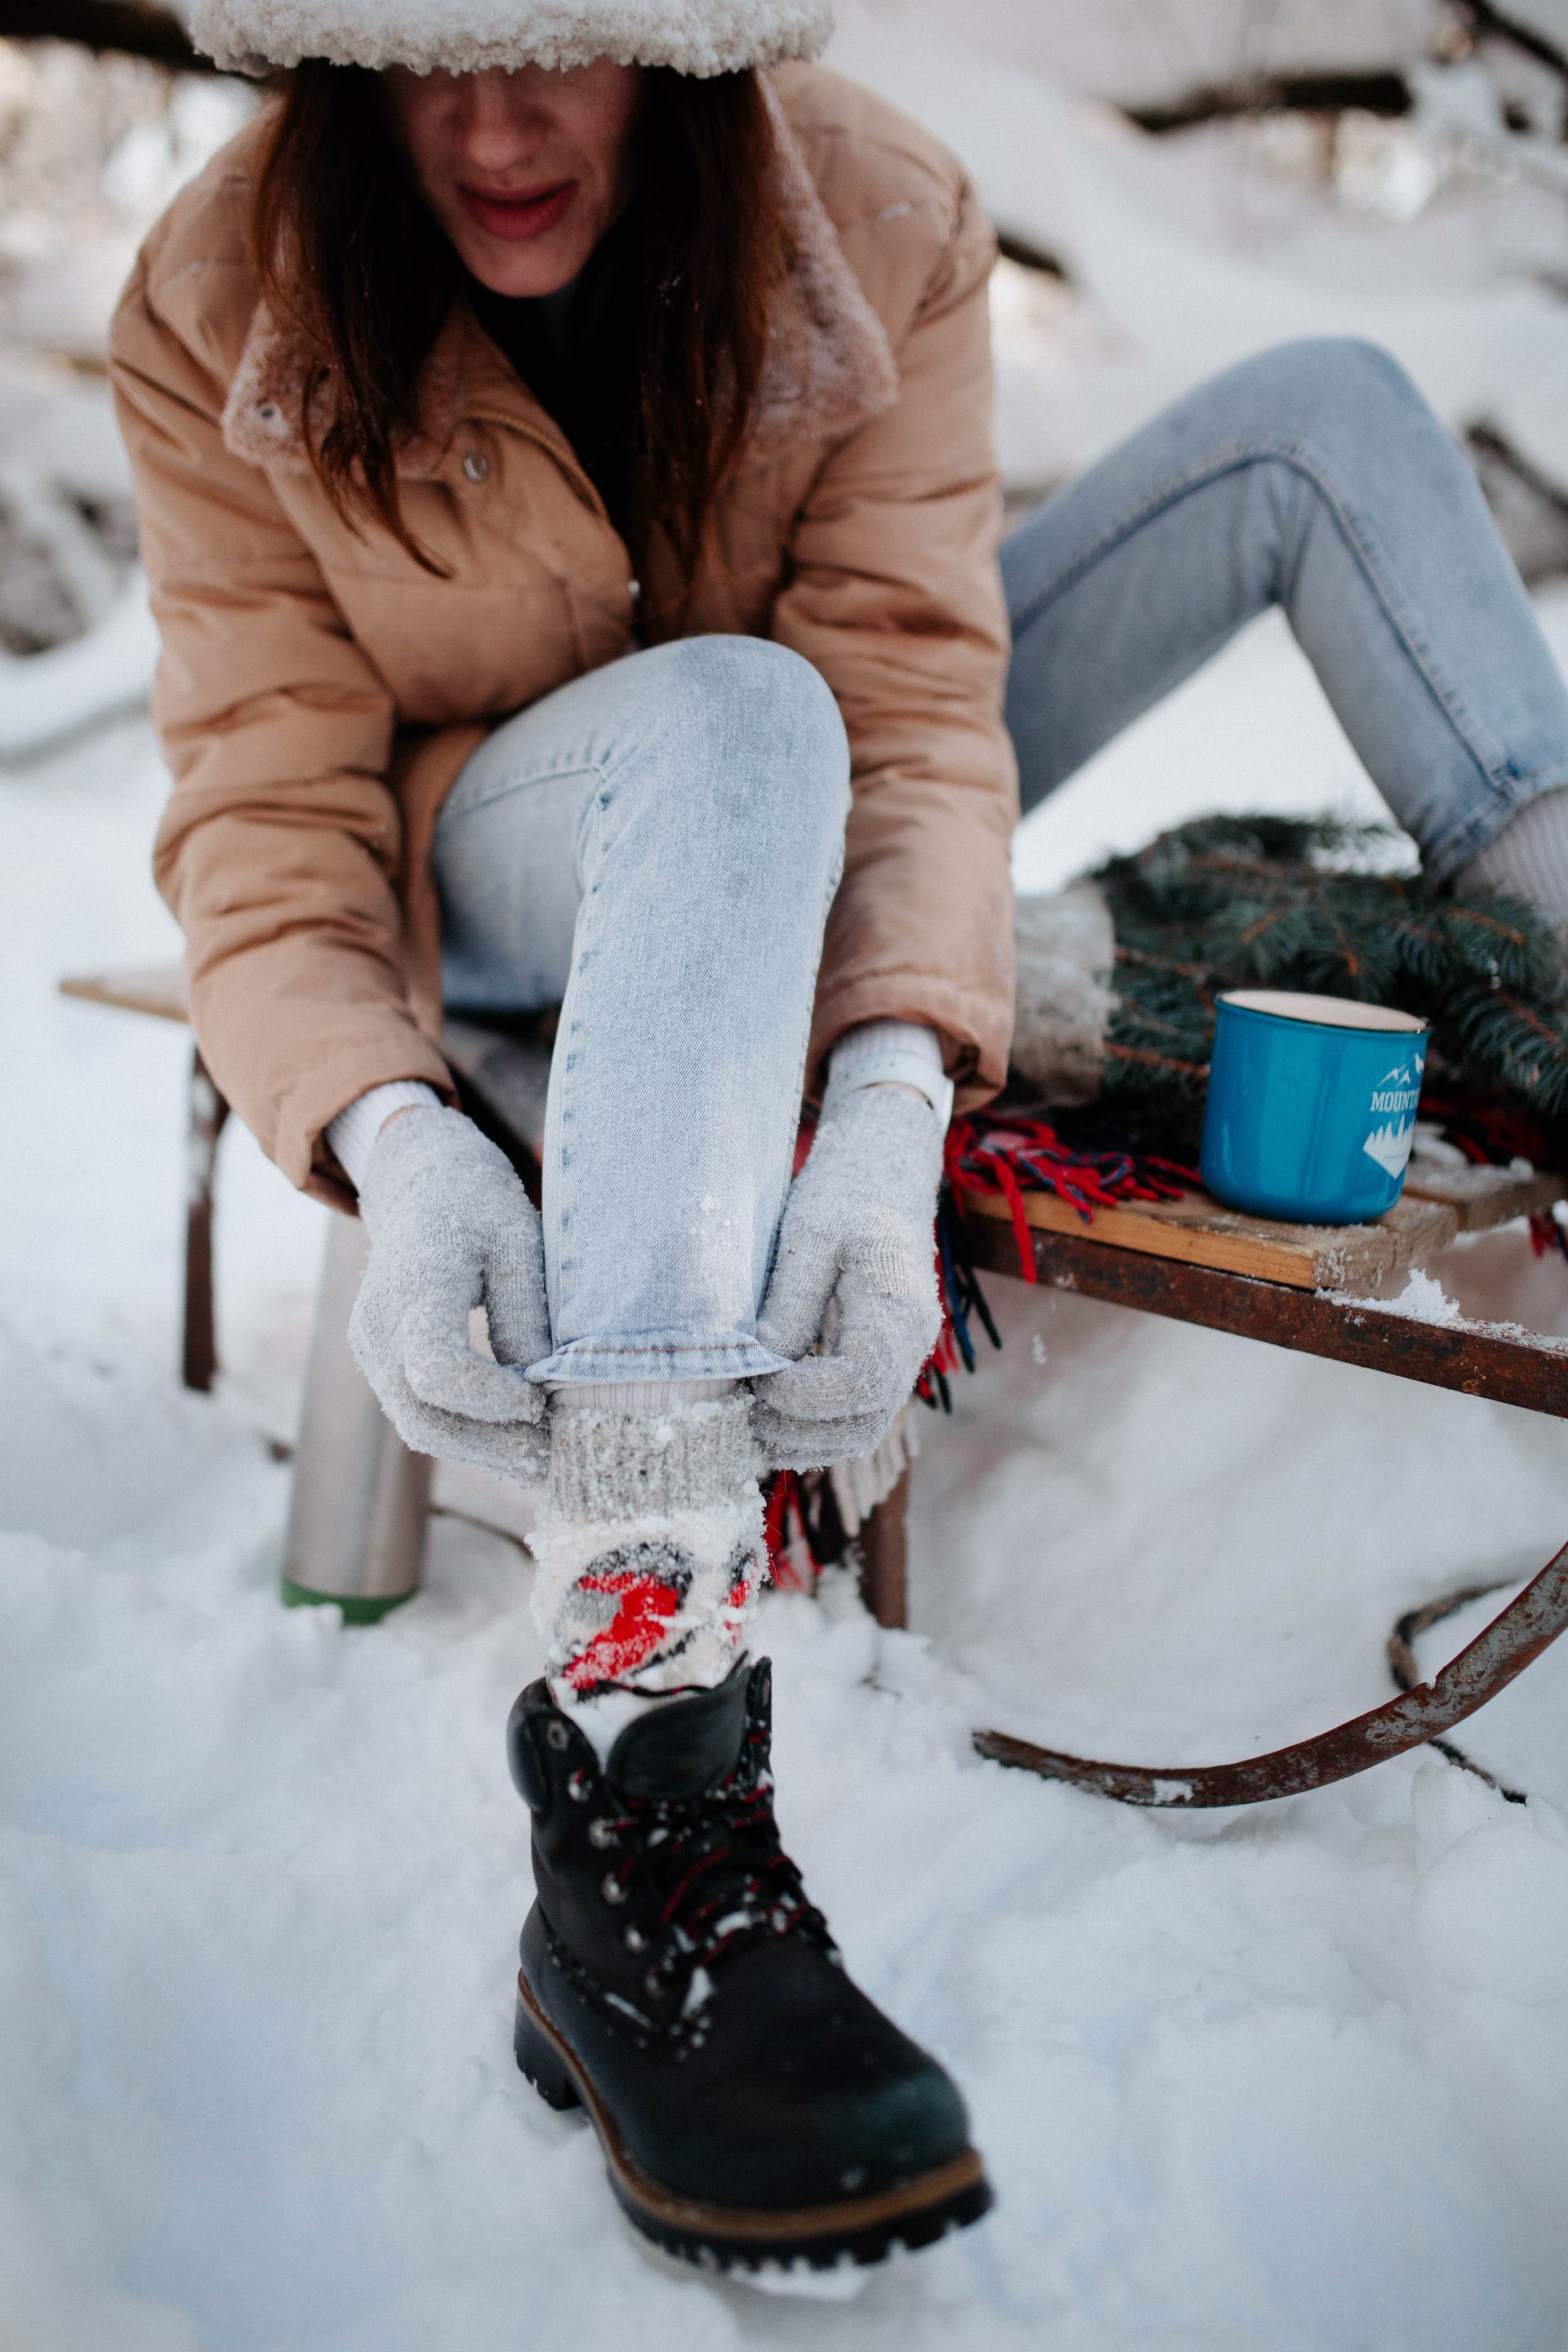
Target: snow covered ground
[1291, 2080]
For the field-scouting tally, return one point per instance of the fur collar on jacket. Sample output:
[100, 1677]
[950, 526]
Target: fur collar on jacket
[830, 369]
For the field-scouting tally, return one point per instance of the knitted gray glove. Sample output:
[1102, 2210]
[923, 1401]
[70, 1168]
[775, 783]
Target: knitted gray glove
[452, 1228]
[858, 1230]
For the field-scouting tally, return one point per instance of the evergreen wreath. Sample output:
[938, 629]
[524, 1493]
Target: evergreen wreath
[1294, 903]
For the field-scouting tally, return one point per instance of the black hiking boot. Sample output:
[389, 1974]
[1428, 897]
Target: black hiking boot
[753, 2106]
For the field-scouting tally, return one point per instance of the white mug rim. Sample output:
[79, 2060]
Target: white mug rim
[1309, 1012]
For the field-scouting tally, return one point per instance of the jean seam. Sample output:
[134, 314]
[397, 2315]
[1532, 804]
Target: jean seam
[835, 876]
[1397, 605]
[566, 1044]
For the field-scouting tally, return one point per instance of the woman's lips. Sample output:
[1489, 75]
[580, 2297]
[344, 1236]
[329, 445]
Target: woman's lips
[518, 218]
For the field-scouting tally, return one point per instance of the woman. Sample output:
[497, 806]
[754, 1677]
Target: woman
[562, 443]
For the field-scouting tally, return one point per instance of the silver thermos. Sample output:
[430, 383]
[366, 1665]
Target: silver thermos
[357, 1519]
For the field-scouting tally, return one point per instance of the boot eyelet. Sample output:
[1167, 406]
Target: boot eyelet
[653, 1984]
[556, 1733]
[610, 1888]
[634, 1939]
[580, 1787]
[601, 1834]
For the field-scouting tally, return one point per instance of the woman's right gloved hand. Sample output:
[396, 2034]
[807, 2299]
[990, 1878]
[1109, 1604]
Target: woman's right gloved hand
[451, 1229]
[857, 1231]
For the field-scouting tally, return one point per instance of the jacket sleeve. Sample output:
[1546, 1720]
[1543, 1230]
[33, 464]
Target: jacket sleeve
[278, 851]
[896, 597]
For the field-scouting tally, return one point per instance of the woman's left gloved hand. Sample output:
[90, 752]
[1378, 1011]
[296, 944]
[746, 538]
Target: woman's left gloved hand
[451, 1229]
[858, 1230]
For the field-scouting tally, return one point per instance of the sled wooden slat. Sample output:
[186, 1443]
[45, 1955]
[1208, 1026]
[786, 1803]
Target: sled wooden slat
[510, 1076]
[1199, 1231]
[160, 989]
[1483, 1197]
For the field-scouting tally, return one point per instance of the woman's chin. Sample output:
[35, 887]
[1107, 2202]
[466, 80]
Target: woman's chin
[522, 271]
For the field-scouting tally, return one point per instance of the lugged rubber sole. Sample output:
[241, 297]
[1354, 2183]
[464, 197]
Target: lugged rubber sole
[859, 2230]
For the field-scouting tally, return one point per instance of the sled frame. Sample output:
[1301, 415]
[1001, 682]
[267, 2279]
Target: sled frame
[1477, 1360]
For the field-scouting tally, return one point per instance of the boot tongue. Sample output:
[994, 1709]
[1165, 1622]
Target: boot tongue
[683, 1746]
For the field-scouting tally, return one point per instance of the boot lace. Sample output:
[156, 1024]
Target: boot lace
[704, 1877]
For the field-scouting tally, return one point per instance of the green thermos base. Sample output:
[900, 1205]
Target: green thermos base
[357, 1610]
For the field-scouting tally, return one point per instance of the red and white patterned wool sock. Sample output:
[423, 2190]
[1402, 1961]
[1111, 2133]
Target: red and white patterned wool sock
[650, 1553]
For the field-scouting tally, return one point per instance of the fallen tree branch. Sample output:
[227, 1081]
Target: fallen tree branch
[123, 24]
[1529, 510]
[1482, 17]
[1493, 443]
[1013, 247]
[1322, 93]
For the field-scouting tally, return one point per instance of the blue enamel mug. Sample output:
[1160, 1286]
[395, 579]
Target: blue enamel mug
[1311, 1105]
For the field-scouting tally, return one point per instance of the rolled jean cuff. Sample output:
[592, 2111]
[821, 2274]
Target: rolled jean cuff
[1461, 843]
[658, 1355]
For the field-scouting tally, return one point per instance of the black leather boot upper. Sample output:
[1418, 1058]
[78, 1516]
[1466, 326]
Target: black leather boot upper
[674, 1953]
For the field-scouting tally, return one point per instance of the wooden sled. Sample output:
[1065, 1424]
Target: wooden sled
[1191, 1260]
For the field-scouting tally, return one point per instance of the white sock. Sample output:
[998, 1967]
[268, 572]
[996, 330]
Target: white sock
[1529, 858]
[650, 1553]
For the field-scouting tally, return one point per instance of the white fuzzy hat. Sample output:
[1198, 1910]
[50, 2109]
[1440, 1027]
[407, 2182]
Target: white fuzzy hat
[695, 37]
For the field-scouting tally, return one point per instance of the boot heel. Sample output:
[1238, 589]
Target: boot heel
[540, 2062]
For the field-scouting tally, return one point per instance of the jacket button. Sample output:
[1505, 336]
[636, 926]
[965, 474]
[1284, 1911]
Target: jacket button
[477, 466]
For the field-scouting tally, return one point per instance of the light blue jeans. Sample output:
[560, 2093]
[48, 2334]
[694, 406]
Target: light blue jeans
[1317, 478]
[655, 846]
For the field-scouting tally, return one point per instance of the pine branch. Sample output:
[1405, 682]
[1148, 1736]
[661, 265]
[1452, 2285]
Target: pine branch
[1289, 903]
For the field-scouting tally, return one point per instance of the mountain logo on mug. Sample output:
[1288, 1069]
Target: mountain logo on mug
[1396, 1096]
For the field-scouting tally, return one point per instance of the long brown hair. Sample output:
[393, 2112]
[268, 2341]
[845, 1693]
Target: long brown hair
[349, 257]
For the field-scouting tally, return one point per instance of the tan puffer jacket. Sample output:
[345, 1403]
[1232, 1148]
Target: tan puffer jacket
[319, 692]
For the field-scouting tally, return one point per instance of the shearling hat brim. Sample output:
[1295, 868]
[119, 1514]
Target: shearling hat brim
[694, 36]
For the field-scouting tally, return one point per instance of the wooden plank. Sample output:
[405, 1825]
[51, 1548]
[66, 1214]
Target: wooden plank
[158, 989]
[884, 1558]
[207, 1113]
[1483, 1197]
[1198, 1231]
[1478, 1359]
[509, 1075]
